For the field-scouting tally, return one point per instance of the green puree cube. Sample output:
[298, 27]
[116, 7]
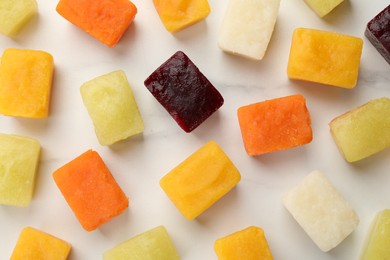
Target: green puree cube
[19, 158]
[323, 7]
[112, 107]
[151, 245]
[15, 14]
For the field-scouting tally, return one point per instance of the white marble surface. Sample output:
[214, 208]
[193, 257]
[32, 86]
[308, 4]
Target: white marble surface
[139, 163]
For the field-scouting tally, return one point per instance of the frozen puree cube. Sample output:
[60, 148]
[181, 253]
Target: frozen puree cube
[248, 244]
[377, 246]
[321, 211]
[25, 83]
[247, 27]
[378, 32]
[112, 107]
[177, 15]
[151, 245]
[200, 180]
[275, 124]
[90, 190]
[363, 131]
[323, 7]
[184, 91]
[35, 244]
[19, 157]
[15, 14]
[325, 57]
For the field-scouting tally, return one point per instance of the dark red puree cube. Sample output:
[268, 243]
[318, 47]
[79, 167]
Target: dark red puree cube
[378, 32]
[184, 91]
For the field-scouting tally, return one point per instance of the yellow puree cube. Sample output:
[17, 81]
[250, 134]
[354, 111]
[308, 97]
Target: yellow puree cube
[25, 83]
[325, 57]
[323, 7]
[248, 244]
[35, 244]
[15, 14]
[200, 180]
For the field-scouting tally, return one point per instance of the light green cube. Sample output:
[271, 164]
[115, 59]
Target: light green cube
[15, 14]
[19, 158]
[323, 7]
[112, 107]
[150, 245]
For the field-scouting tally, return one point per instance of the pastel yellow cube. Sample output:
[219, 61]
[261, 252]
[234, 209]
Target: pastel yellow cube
[25, 83]
[36, 244]
[200, 180]
[325, 57]
[323, 7]
[15, 14]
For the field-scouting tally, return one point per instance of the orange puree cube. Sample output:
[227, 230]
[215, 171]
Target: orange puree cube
[248, 244]
[325, 57]
[25, 83]
[177, 15]
[90, 190]
[35, 244]
[200, 180]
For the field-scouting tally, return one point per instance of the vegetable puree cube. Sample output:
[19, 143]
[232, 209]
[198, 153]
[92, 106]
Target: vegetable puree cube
[321, 211]
[90, 190]
[19, 157]
[105, 20]
[363, 131]
[25, 83]
[323, 7]
[36, 244]
[200, 180]
[248, 244]
[378, 242]
[184, 91]
[15, 14]
[177, 15]
[151, 245]
[325, 57]
[112, 107]
[275, 124]
[247, 27]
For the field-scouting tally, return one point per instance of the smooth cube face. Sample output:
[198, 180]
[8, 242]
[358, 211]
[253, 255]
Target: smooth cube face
[25, 83]
[323, 7]
[150, 245]
[248, 244]
[90, 190]
[200, 180]
[177, 15]
[19, 157]
[35, 244]
[321, 211]
[275, 124]
[15, 14]
[247, 27]
[112, 107]
[184, 91]
[363, 131]
[325, 57]
[378, 30]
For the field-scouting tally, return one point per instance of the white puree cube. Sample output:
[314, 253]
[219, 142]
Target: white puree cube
[247, 27]
[321, 211]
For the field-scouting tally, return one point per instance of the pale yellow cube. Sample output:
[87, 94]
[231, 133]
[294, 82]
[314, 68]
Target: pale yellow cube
[323, 7]
[15, 14]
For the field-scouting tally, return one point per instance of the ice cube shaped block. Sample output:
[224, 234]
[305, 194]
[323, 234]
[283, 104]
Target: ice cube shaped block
[321, 211]
[90, 190]
[151, 245]
[105, 20]
[15, 14]
[275, 124]
[249, 244]
[247, 27]
[378, 243]
[19, 157]
[36, 244]
[363, 131]
[378, 32]
[177, 15]
[184, 91]
[325, 57]
[323, 7]
[112, 107]
[25, 83]
[200, 180]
